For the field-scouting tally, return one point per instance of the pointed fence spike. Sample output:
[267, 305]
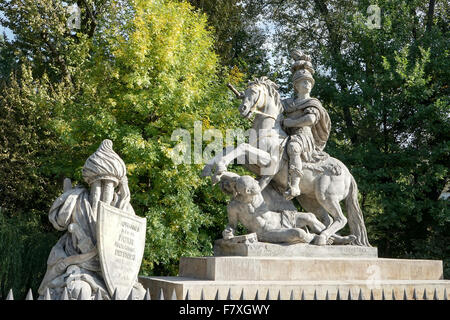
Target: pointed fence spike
[80, 294]
[405, 297]
[383, 297]
[445, 294]
[65, 294]
[414, 294]
[279, 295]
[242, 297]
[371, 295]
[360, 296]
[202, 295]
[161, 294]
[10, 295]
[130, 296]
[229, 296]
[315, 295]
[338, 295]
[188, 295]
[174, 295]
[115, 295]
[425, 296]
[29, 295]
[435, 295]
[217, 295]
[98, 295]
[393, 295]
[303, 295]
[292, 295]
[268, 294]
[147, 295]
[349, 297]
[47, 295]
[257, 295]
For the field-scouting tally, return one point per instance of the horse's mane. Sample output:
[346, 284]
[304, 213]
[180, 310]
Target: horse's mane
[272, 87]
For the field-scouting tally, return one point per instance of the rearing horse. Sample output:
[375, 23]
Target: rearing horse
[323, 184]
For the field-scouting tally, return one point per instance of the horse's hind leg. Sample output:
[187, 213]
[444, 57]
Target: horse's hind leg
[312, 205]
[334, 209]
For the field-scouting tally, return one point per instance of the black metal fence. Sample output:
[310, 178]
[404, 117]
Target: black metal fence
[425, 295]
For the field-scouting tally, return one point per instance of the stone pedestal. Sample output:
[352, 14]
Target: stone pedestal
[307, 269]
[264, 249]
[303, 277]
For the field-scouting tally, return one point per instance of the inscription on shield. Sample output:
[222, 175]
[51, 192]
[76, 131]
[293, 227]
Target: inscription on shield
[120, 242]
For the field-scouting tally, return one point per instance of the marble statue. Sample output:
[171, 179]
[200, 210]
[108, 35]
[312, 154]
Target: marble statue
[291, 135]
[249, 208]
[73, 265]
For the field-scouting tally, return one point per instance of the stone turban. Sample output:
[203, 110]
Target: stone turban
[104, 164]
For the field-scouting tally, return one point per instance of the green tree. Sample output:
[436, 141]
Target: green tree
[239, 41]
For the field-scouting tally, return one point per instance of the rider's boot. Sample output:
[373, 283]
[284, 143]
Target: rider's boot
[294, 184]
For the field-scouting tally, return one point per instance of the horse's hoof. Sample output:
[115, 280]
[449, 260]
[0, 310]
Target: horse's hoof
[291, 194]
[351, 239]
[321, 240]
[206, 172]
[288, 197]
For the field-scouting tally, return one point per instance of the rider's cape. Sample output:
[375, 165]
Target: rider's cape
[321, 129]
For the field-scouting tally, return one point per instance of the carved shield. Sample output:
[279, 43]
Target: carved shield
[120, 243]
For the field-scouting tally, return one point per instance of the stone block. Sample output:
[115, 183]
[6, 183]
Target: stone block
[308, 269]
[261, 249]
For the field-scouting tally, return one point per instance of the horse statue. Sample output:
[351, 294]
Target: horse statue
[324, 184]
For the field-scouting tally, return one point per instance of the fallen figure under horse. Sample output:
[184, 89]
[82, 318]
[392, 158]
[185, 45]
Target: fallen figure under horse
[249, 208]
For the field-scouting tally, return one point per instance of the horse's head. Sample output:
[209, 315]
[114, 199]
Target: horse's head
[260, 97]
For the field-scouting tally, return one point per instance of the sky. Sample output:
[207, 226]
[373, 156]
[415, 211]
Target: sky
[7, 31]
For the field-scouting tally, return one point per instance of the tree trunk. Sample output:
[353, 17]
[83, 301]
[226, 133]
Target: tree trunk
[430, 14]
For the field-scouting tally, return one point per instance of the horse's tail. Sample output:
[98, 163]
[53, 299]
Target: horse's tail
[355, 216]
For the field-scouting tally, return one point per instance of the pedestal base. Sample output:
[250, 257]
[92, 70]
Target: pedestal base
[302, 278]
[308, 269]
[265, 249]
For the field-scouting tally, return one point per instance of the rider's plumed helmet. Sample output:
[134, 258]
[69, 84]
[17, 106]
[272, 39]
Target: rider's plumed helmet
[302, 67]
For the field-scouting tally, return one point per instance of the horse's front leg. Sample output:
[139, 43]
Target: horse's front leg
[207, 170]
[254, 156]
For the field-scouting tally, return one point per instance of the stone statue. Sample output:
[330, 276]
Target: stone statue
[74, 260]
[307, 123]
[248, 207]
[320, 180]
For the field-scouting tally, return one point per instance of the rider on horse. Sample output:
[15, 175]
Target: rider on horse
[307, 123]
